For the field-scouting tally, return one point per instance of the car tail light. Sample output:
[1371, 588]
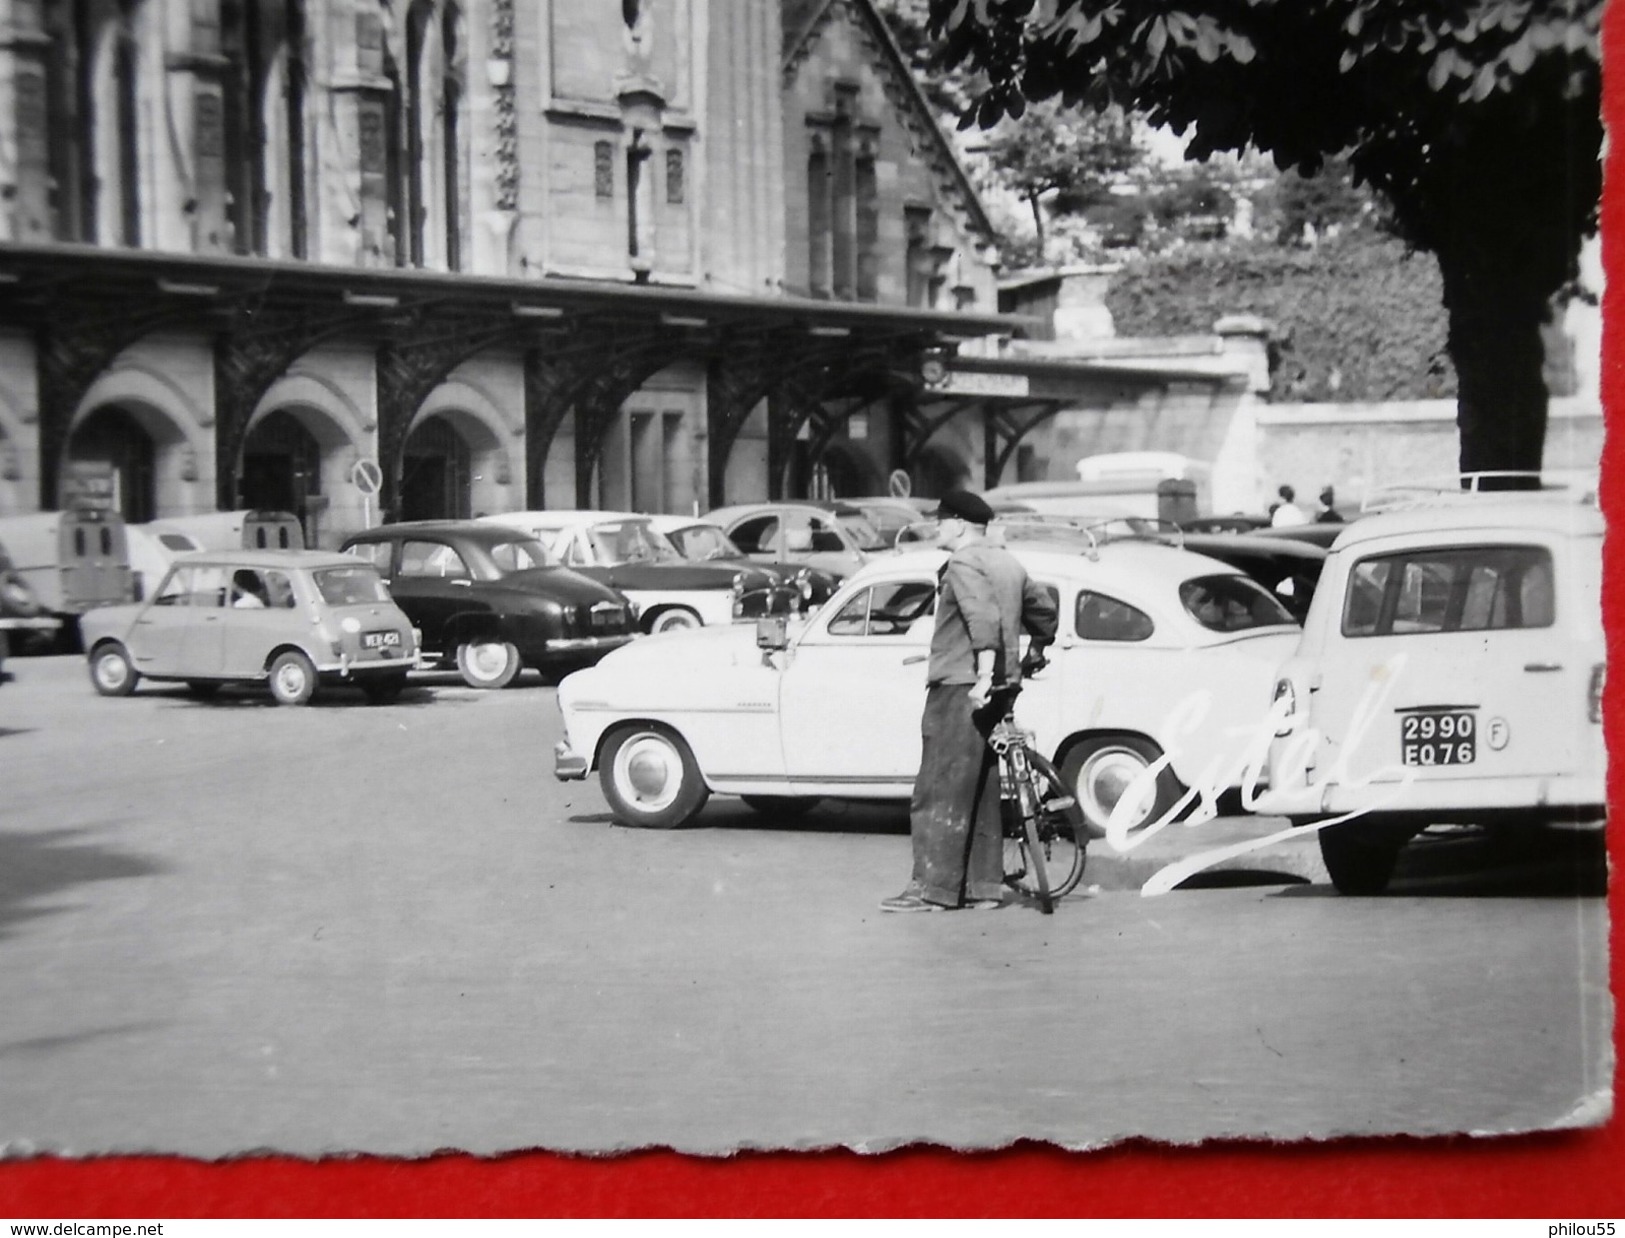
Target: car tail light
[1285, 705]
[1594, 704]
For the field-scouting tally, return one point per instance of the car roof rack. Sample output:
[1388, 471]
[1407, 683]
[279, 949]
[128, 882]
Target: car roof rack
[1475, 487]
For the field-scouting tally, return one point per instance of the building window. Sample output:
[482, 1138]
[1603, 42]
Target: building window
[866, 196]
[451, 138]
[126, 67]
[674, 176]
[917, 228]
[603, 169]
[243, 123]
[818, 219]
[294, 164]
[417, 80]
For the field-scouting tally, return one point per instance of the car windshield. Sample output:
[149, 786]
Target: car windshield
[1232, 604]
[350, 586]
[704, 541]
[631, 541]
[521, 554]
[861, 531]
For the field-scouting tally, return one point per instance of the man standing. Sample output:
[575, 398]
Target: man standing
[1286, 514]
[1328, 513]
[985, 600]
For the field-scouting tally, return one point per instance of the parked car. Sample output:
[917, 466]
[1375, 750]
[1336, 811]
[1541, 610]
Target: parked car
[1288, 569]
[491, 599]
[700, 541]
[291, 619]
[832, 536]
[627, 552]
[1160, 652]
[890, 516]
[1450, 673]
[246, 529]
[21, 616]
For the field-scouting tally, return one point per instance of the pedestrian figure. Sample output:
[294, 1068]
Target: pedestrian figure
[1287, 513]
[1328, 513]
[985, 599]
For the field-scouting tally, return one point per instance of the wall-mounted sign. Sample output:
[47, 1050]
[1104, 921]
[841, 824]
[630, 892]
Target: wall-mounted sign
[979, 382]
[367, 477]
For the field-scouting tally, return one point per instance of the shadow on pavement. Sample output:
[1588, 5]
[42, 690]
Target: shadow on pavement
[37, 865]
[49, 1044]
[1471, 863]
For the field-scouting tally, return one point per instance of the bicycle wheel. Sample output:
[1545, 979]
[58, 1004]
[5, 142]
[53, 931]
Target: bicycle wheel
[1062, 835]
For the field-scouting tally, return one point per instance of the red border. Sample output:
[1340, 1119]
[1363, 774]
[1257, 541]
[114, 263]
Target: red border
[1562, 1176]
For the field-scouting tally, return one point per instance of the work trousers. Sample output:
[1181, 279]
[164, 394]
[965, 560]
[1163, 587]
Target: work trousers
[954, 813]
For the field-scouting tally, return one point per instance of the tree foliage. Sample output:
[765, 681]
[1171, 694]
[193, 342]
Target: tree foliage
[1478, 121]
[1356, 317]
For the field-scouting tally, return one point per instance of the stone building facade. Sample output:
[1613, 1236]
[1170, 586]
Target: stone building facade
[656, 254]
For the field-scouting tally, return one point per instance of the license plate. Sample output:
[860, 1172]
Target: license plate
[378, 640]
[1439, 737]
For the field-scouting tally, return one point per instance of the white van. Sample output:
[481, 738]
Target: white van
[241, 530]
[73, 561]
[1450, 673]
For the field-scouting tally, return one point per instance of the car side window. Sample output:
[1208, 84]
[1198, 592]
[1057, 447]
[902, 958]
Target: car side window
[574, 551]
[210, 586]
[432, 559]
[376, 553]
[279, 591]
[754, 536]
[176, 589]
[1100, 617]
[1453, 589]
[249, 590]
[885, 610]
[824, 537]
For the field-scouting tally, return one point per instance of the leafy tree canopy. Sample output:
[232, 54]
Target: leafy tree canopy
[1477, 120]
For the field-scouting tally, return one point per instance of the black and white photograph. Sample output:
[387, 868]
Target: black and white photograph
[755, 575]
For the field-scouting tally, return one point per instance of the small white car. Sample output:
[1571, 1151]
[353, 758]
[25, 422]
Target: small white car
[1159, 653]
[1450, 673]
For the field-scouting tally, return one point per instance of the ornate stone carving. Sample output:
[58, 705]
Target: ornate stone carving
[505, 106]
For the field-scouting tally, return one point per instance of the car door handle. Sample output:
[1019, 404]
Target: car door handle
[1537, 667]
[919, 657]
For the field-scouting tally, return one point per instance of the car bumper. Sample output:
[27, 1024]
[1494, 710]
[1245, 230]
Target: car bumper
[573, 645]
[40, 623]
[568, 764]
[1558, 798]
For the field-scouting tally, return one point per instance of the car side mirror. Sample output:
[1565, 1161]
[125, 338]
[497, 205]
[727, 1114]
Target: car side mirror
[772, 633]
[798, 541]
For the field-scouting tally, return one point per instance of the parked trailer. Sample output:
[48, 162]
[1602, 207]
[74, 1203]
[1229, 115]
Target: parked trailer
[241, 530]
[153, 547]
[72, 561]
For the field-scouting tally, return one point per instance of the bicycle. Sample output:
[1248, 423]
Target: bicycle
[1045, 836]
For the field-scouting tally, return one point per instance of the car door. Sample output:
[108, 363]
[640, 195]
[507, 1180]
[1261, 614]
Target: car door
[433, 585]
[260, 615]
[851, 697]
[163, 631]
[1449, 666]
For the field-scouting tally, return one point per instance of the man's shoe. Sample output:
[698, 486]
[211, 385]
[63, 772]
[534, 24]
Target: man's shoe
[909, 902]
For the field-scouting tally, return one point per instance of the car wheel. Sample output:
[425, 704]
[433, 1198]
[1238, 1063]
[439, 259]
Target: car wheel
[383, 689]
[1102, 769]
[111, 671]
[202, 688]
[1359, 856]
[673, 619]
[790, 806]
[293, 679]
[487, 663]
[650, 778]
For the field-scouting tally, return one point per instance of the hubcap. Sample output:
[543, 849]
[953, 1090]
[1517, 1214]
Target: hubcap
[487, 661]
[290, 680]
[649, 772]
[110, 671]
[1106, 778]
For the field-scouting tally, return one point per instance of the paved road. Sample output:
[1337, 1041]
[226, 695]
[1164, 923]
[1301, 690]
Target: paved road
[226, 926]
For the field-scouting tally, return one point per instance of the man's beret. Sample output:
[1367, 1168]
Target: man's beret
[965, 506]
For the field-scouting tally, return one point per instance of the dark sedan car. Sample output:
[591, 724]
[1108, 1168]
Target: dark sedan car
[492, 599]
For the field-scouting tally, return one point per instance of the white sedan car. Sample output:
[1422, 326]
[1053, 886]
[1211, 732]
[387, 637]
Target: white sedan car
[1160, 654]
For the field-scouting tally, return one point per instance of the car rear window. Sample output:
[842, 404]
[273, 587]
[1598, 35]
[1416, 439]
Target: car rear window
[1451, 589]
[350, 586]
[520, 555]
[860, 530]
[1224, 603]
